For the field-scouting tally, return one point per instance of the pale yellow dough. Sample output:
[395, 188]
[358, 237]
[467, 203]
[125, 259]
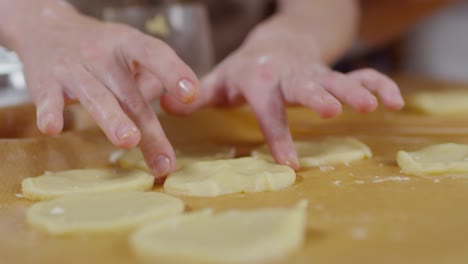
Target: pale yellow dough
[101, 212]
[256, 236]
[53, 185]
[187, 155]
[214, 178]
[327, 151]
[449, 158]
[442, 103]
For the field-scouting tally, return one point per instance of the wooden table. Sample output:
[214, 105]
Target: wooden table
[367, 212]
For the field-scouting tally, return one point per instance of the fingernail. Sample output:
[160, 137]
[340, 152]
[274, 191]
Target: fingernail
[46, 121]
[293, 163]
[161, 166]
[187, 90]
[126, 131]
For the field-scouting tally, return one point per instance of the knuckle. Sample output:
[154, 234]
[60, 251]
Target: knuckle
[92, 53]
[64, 61]
[134, 104]
[119, 29]
[152, 45]
[264, 72]
[369, 72]
[332, 79]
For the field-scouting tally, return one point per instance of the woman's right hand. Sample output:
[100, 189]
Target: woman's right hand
[114, 71]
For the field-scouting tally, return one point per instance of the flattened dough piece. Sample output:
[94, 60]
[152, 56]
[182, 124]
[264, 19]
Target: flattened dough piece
[53, 185]
[256, 236]
[187, 155]
[327, 151]
[449, 158]
[440, 103]
[214, 178]
[101, 212]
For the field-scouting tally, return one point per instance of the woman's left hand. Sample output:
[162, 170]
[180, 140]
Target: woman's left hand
[285, 68]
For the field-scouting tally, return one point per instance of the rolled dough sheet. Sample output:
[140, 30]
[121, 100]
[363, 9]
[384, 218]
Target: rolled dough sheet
[256, 236]
[440, 103]
[328, 151]
[219, 177]
[101, 212]
[53, 185]
[187, 155]
[449, 158]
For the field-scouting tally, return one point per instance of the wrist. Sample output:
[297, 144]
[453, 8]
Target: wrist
[279, 30]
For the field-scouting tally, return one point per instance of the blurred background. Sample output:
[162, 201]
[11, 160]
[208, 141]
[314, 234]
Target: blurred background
[426, 38]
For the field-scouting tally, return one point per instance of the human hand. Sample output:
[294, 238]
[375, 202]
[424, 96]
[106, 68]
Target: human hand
[114, 71]
[283, 68]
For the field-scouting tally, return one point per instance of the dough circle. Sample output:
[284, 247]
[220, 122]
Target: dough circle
[440, 103]
[327, 151]
[448, 158]
[256, 236]
[53, 185]
[214, 178]
[187, 155]
[101, 212]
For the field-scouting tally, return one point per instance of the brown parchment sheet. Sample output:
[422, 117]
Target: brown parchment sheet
[367, 212]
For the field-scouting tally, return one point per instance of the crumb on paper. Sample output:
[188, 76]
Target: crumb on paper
[319, 207]
[359, 182]
[327, 168]
[436, 180]
[366, 218]
[393, 178]
[359, 233]
[396, 236]
[19, 195]
[57, 210]
[337, 182]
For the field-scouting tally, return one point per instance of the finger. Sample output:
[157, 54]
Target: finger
[312, 95]
[149, 85]
[159, 59]
[158, 152]
[349, 91]
[217, 91]
[103, 107]
[49, 107]
[211, 94]
[381, 85]
[267, 104]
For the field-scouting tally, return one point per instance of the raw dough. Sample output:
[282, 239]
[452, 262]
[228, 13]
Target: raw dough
[186, 155]
[328, 151]
[101, 212]
[256, 236]
[449, 158]
[213, 178]
[53, 185]
[442, 103]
